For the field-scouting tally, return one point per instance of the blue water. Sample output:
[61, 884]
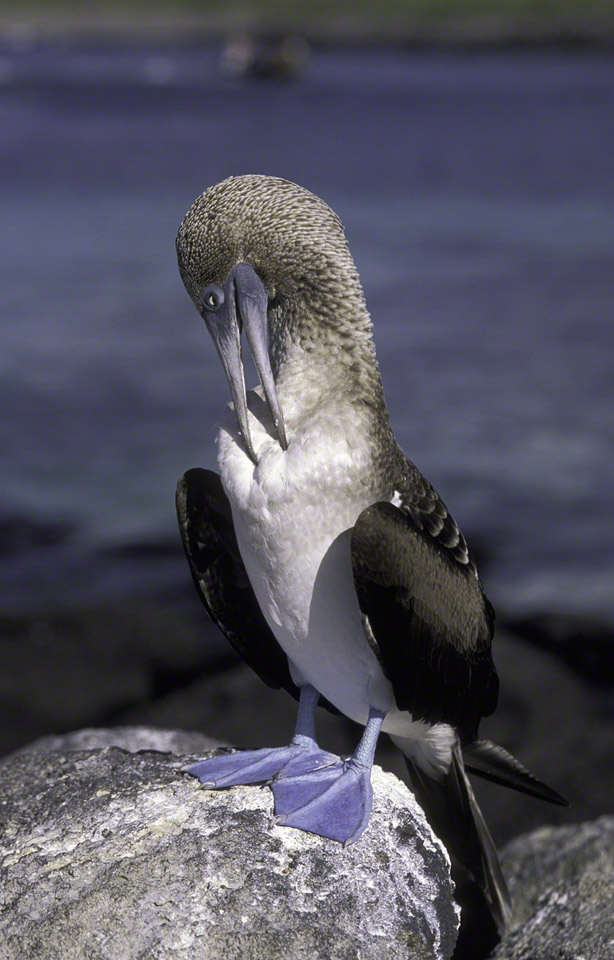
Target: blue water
[478, 197]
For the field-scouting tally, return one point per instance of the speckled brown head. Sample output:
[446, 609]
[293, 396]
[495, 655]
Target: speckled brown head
[266, 247]
[294, 241]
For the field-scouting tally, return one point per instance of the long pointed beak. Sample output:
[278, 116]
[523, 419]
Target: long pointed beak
[226, 335]
[245, 304]
[252, 301]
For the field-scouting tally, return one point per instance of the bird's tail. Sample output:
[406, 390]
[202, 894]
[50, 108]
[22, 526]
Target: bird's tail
[454, 815]
[493, 762]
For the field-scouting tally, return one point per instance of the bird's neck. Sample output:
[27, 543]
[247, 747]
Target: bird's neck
[317, 363]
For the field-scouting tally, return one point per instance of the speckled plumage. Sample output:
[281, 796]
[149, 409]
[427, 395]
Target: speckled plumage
[297, 245]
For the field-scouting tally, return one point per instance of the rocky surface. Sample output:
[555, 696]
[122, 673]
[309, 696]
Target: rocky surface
[562, 885]
[158, 666]
[111, 855]
[131, 739]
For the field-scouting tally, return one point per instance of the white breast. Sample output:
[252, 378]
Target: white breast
[293, 515]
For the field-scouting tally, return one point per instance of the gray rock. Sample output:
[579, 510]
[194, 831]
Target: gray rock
[113, 856]
[562, 885]
[131, 739]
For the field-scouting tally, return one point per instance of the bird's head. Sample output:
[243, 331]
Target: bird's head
[264, 255]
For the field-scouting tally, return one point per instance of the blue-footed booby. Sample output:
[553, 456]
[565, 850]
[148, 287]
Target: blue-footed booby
[325, 557]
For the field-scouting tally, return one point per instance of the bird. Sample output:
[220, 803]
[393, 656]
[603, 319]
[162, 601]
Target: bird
[321, 552]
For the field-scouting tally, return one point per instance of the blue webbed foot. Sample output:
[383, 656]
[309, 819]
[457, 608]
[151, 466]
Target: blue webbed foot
[333, 801]
[259, 766]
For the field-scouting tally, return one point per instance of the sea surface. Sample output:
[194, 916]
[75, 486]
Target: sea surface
[478, 197]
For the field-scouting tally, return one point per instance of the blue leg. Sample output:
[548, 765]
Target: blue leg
[257, 766]
[334, 801]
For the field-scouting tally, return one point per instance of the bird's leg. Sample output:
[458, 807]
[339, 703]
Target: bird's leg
[256, 766]
[332, 801]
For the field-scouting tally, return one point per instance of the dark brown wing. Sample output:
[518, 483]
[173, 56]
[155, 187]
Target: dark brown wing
[426, 617]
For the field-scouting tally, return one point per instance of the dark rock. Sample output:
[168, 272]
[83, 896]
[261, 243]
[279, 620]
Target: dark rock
[107, 854]
[585, 644]
[562, 885]
[560, 728]
[546, 716]
[68, 668]
[135, 664]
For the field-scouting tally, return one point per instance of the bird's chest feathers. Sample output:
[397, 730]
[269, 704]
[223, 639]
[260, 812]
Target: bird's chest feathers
[290, 507]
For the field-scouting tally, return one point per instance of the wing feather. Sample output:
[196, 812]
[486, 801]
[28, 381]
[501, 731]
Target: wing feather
[429, 512]
[427, 614]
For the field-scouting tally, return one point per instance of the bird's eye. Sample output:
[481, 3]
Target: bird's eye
[213, 298]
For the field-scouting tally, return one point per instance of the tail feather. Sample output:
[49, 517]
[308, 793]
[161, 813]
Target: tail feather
[454, 815]
[493, 762]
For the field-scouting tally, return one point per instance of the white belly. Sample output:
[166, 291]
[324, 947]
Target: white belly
[293, 514]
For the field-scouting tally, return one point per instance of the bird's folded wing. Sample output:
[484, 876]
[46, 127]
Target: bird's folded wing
[210, 543]
[426, 618]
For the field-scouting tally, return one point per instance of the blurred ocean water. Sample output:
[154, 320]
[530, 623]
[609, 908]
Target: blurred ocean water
[478, 197]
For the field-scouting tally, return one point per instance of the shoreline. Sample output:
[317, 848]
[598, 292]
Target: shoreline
[507, 27]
